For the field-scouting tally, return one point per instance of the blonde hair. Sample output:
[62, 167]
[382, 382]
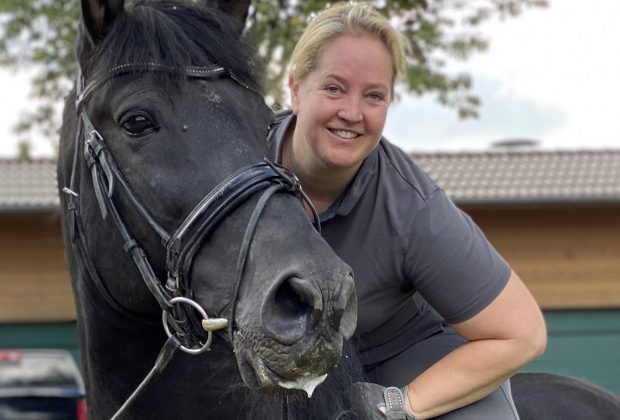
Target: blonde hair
[346, 18]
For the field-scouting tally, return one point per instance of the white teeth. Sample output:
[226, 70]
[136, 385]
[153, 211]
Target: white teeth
[345, 134]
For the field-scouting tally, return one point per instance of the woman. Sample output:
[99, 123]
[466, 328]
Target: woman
[440, 312]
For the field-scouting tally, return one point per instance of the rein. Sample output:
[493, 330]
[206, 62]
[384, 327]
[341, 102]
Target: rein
[185, 330]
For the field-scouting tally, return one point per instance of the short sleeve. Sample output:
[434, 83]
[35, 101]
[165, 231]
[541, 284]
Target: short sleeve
[450, 261]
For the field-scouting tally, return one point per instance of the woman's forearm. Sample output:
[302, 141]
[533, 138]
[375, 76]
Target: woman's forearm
[503, 337]
[464, 376]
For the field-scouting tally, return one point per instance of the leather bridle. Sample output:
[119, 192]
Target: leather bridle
[180, 311]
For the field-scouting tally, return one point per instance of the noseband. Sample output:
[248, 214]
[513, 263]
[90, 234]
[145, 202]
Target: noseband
[184, 328]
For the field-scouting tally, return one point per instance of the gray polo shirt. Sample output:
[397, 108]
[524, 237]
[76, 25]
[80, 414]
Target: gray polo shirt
[401, 234]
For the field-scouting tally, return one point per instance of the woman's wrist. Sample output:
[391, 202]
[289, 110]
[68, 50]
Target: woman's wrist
[408, 405]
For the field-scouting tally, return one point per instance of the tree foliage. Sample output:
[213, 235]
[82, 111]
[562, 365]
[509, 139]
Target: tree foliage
[436, 29]
[40, 35]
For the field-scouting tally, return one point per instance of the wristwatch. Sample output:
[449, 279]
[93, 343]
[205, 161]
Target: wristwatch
[395, 404]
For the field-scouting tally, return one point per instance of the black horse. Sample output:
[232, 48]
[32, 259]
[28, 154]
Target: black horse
[162, 143]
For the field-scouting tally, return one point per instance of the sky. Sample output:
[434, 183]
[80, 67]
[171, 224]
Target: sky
[550, 75]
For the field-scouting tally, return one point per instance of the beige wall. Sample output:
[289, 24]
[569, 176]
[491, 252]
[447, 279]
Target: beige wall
[569, 256]
[34, 283]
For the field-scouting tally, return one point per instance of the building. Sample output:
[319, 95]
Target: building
[554, 215]
[34, 278]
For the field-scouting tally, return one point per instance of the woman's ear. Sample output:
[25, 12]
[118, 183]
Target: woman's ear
[294, 90]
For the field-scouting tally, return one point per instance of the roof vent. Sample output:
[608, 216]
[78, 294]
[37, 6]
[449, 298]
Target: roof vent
[513, 145]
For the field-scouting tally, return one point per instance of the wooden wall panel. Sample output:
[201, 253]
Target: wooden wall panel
[34, 282]
[568, 256]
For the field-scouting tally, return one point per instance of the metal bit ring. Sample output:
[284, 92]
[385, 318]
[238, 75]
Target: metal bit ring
[164, 319]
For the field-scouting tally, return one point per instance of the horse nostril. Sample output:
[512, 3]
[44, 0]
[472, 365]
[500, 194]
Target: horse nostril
[344, 318]
[286, 312]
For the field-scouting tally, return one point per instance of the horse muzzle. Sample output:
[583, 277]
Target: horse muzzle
[299, 335]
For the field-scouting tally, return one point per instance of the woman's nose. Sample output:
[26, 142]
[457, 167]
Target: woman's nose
[351, 110]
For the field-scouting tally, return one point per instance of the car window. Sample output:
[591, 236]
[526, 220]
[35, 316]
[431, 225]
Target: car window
[36, 369]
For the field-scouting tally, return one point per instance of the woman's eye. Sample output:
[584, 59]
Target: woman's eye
[377, 97]
[138, 125]
[333, 89]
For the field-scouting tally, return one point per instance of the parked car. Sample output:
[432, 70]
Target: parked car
[40, 384]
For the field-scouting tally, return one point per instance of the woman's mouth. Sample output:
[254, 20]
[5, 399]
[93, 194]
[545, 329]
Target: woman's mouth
[345, 134]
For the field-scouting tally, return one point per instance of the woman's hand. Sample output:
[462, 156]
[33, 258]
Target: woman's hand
[375, 402]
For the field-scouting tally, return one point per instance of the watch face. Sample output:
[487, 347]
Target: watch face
[394, 401]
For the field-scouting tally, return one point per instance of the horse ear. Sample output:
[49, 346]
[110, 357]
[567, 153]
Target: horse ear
[238, 10]
[98, 15]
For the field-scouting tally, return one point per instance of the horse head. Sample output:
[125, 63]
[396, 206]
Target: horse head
[170, 205]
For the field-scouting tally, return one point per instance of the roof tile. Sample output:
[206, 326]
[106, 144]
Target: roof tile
[27, 186]
[526, 176]
[467, 177]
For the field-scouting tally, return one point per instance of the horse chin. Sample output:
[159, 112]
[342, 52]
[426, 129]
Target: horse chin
[257, 375]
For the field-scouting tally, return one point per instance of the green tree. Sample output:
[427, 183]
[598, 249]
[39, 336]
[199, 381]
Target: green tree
[40, 35]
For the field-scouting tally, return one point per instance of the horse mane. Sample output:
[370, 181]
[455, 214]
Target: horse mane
[175, 34]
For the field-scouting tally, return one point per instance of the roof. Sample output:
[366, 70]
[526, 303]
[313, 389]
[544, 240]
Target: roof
[493, 177]
[533, 176]
[28, 186]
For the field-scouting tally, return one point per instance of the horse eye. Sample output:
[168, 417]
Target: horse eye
[138, 125]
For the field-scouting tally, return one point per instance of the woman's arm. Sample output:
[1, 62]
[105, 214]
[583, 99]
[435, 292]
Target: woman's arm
[503, 337]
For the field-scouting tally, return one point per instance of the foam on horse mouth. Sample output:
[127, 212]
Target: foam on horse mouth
[308, 383]
[263, 376]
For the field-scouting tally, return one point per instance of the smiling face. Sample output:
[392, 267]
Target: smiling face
[341, 106]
